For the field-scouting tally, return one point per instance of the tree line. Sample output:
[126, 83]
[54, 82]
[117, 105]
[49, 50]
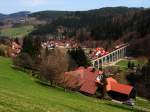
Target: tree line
[130, 25]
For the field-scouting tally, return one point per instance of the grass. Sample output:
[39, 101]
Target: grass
[19, 92]
[123, 64]
[143, 103]
[16, 32]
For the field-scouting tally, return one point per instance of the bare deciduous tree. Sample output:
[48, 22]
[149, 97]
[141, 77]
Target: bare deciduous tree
[55, 64]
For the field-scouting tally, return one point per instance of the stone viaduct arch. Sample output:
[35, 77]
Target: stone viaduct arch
[111, 57]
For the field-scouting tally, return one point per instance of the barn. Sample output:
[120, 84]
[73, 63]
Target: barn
[121, 92]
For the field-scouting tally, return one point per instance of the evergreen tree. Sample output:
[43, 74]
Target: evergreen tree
[79, 56]
[132, 65]
[146, 72]
[129, 64]
[31, 46]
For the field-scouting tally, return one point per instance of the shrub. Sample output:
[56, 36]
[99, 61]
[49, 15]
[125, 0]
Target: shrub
[23, 60]
[3, 49]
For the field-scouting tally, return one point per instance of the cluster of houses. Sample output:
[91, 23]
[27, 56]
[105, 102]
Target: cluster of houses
[15, 48]
[97, 52]
[89, 81]
[66, 43]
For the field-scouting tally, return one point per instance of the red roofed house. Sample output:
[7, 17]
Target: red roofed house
[90, 86]
[82, 79]
[119, 91]
[88, 81]
[74, 79]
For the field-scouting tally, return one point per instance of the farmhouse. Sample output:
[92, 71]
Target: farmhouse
[88, 80]
[82, 79]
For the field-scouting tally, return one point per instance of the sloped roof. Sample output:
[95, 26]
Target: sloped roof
[113, 85]
[90, 85]
[82, 79]
[74, 79]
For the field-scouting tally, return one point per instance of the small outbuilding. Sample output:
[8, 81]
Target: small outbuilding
[121, 92]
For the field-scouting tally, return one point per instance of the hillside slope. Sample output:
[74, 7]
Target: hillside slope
[17, 31]
[48, 15]
[20, 93]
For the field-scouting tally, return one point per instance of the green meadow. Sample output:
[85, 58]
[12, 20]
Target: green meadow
[19, 92]
[16, 32]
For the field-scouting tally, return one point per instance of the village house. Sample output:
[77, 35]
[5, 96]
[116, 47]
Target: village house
[64, 43]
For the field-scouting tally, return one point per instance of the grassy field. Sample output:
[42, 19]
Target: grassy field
[16, 32]
[123, 64]
[19, 92]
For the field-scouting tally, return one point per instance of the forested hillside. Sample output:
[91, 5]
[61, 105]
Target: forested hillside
[48, 15]
[117, 24]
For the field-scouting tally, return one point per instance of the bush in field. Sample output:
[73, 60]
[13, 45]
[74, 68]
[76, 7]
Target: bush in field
[3, 50]
[24, 60]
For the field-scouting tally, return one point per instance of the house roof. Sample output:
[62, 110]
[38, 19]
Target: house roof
[83, 79]
[113, 85]
[74, 79]
[90, 85]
